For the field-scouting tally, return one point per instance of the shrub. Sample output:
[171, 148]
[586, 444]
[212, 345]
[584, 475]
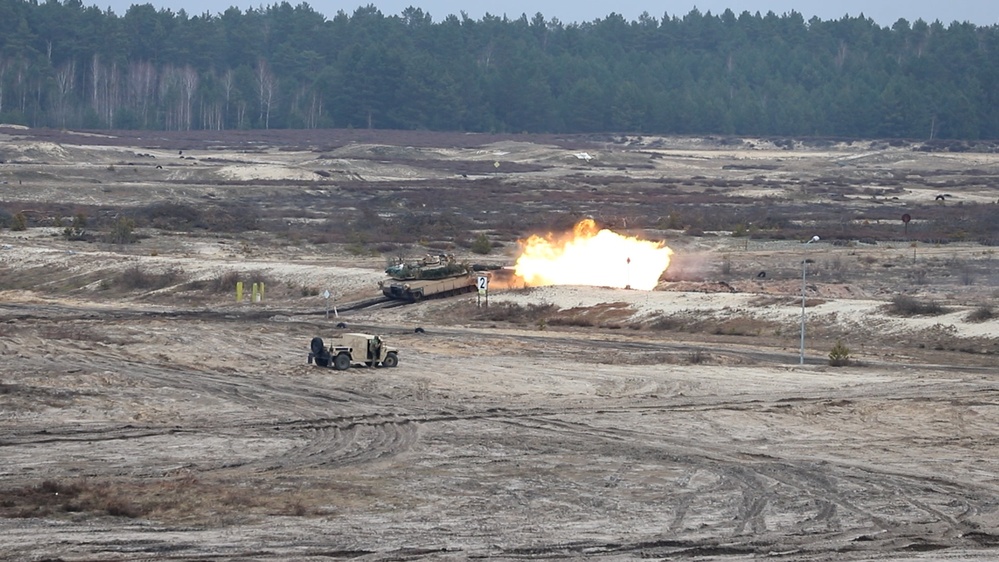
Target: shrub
[51, 497]
[356, 249]
[578, 320]
[904, 305]
[981, 314]
[19, 223]
[77, 230]
[697, 357]
[122, 231]
[840, 355]
[918, 277]
[511, 312]
[481, 244]
[966, 276]
[726, 266]
[136, 278]
[171, 216]
[663, 322]
[118, 506]
[224, 281]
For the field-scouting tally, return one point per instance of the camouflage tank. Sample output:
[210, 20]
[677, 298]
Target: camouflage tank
[430, 267]
[432, 276]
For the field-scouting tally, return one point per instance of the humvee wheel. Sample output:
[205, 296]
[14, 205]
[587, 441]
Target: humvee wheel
[319, 353]
[341, 362]
[391, 360]
[316, 346]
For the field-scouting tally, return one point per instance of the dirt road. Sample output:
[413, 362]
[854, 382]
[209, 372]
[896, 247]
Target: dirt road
[213, 433]
[144, 415]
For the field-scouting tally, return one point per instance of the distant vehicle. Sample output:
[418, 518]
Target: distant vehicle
[352, 349]
[432, 276]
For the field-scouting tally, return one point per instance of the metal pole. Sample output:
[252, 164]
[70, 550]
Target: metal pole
[804, 267]
[804, 264]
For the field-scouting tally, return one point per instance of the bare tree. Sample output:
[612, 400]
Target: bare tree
[170, 97]
[315, 110]
[65, 79]
[20, 82]
[3, 72]
[228, 85]
[211, 115]
[113, 87]
[189, 85]
[142, 76]
[240, 113]
[267, 88]
[95, 81]
[105, 83]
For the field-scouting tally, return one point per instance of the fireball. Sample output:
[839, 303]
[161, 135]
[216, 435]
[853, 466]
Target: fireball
[591, 256]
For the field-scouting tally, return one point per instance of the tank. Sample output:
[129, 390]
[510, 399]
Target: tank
[432, 276]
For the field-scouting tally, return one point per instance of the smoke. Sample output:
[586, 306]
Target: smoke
[689, 267]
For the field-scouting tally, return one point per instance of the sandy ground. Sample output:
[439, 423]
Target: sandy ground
[142, 426]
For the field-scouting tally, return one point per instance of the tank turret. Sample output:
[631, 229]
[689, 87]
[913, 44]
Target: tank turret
[429, 267]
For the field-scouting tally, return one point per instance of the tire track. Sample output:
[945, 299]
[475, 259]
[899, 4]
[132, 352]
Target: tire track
[752, 481]
[354, 443]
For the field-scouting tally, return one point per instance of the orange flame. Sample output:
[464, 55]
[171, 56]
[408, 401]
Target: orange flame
[589, 256]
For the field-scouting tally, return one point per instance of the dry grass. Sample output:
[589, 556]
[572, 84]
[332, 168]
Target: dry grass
[179, 498]
[763, 301]
[136, 278]
[46, 279]
[52, 497]
[736, 326]
[693, 357]
[516, 313]
[84, 332]
[224, 281]
[609, 316]
[666, 323]
[731, 326]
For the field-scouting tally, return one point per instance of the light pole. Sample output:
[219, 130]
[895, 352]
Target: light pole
[804, 268]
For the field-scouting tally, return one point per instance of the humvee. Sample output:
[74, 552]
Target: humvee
[352, 349]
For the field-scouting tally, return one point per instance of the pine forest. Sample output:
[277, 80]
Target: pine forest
[67, 65]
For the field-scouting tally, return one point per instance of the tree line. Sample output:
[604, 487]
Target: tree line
[63, 64]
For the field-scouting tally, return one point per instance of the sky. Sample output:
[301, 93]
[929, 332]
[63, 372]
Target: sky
[884, 12]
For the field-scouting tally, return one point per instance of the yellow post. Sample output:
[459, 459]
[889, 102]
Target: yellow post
[261, 290]
[239, 291]
[255, 296]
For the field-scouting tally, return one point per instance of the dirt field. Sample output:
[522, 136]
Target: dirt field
[146, 415]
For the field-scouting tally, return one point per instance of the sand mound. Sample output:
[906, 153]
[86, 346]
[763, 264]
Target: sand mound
[249, 172]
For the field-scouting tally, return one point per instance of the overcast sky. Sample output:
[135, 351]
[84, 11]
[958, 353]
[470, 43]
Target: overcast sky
[884, 12]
